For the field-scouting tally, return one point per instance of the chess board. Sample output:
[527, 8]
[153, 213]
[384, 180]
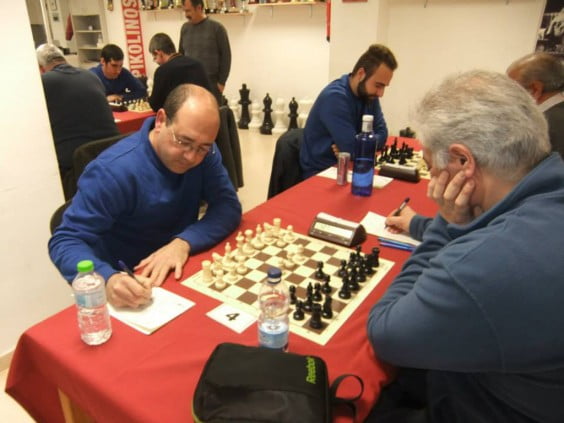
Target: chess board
[139, 106]
[243, 292]
[415, 161]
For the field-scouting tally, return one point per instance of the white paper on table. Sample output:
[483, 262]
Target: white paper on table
[164, 307]
[375, 224]
[378, 182]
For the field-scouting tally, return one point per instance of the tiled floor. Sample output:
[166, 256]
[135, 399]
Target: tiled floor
[257, 151]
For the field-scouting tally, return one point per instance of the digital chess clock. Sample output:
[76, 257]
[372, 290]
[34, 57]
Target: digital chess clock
[337, 230]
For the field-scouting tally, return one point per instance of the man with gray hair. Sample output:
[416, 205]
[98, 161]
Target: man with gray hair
[77, 106]
[474, 320]
[542, 75]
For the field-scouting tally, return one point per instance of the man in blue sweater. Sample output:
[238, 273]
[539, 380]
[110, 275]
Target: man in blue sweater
[474, 320]
[139, 200]
[119, 83]
[336, 116]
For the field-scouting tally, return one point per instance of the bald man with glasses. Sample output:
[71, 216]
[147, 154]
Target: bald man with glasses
[139, 200]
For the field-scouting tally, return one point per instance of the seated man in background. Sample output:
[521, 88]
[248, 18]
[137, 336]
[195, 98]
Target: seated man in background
[120, 84]
[77, 107]
[174, 69]
[138, 201]
[474, 320]
[336, 116]
[542, 75]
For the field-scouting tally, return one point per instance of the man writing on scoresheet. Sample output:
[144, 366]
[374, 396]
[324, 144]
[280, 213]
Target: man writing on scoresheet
[474, 320]
[139, 200]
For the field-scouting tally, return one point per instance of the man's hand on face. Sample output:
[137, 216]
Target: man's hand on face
[172, 256]
[454, 197]
[124, 291]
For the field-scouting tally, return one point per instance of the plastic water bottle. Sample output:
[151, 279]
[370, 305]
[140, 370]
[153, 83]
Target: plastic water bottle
[273, 322]
[92, 309]
[363, 164]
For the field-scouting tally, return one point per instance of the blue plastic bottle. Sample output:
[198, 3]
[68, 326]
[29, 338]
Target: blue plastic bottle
[363, 165]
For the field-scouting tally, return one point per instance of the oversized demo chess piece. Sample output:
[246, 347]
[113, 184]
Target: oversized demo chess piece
[293, 114]
[244, 102]
[279, 126]
[305, 106]
[254, 124]
[267, 125]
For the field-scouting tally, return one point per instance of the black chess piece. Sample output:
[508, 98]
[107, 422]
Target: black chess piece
[317, 292]
[319, 272]
[293, 114]
[293, 298]
[326, 288]
[267, 124]
[343, 270]
[375, 256]
[309, 289]
[327, 311]
[315, 321]
[345, 292]
[299, 312]
[361, 274]
[308, 305]
[244, 102]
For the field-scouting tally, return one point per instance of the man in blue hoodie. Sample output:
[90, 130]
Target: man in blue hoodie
[474, 320]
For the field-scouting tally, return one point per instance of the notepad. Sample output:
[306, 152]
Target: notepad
[375, 224]
[164, 307]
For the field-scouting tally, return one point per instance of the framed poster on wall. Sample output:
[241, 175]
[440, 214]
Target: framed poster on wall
[550, 36]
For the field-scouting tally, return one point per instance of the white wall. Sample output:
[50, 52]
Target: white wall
[450, 36]
[30, 288]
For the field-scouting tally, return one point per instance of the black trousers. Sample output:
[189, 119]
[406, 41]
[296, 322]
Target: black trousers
[404, 400]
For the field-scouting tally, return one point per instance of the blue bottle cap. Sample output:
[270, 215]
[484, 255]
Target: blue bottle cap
[274, 273]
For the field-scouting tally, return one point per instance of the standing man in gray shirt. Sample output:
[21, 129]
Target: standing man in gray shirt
[206, 41]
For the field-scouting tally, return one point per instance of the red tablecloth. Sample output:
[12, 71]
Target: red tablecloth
[130, 121]
[139, 378]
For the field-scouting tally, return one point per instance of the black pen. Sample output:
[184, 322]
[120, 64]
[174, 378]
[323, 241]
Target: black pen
[127, 270]
[401, 207]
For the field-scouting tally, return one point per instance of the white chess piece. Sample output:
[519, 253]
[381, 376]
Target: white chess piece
[241, 268]
[255, 122]
[207, 276]
[277, 222]
[247, 246]
[234, 106]
[240, 240]
[219, 282]
[304, 107]
[217, 259]
[232, 275]
[289, 235]
[280, 126]
[299, 257]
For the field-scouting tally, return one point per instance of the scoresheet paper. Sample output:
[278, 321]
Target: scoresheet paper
[164, 307]
[375, 224]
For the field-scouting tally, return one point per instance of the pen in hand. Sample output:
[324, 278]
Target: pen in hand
[401, 207]
[127, 270]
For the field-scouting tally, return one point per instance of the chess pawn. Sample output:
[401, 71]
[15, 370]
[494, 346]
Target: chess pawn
[280, 243]
[254, 124]
[257, 241]
[241, 268]
[207, 276]
[219, 282]
[232, 275]
[279, 126]
[289, 236]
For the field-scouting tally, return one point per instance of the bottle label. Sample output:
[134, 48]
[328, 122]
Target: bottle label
[275, 338]
[90, 299]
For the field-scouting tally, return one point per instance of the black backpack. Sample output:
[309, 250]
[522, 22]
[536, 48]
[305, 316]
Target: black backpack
[253, 384]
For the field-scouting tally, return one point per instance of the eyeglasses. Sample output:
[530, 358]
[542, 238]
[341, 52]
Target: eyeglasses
[189, 146]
